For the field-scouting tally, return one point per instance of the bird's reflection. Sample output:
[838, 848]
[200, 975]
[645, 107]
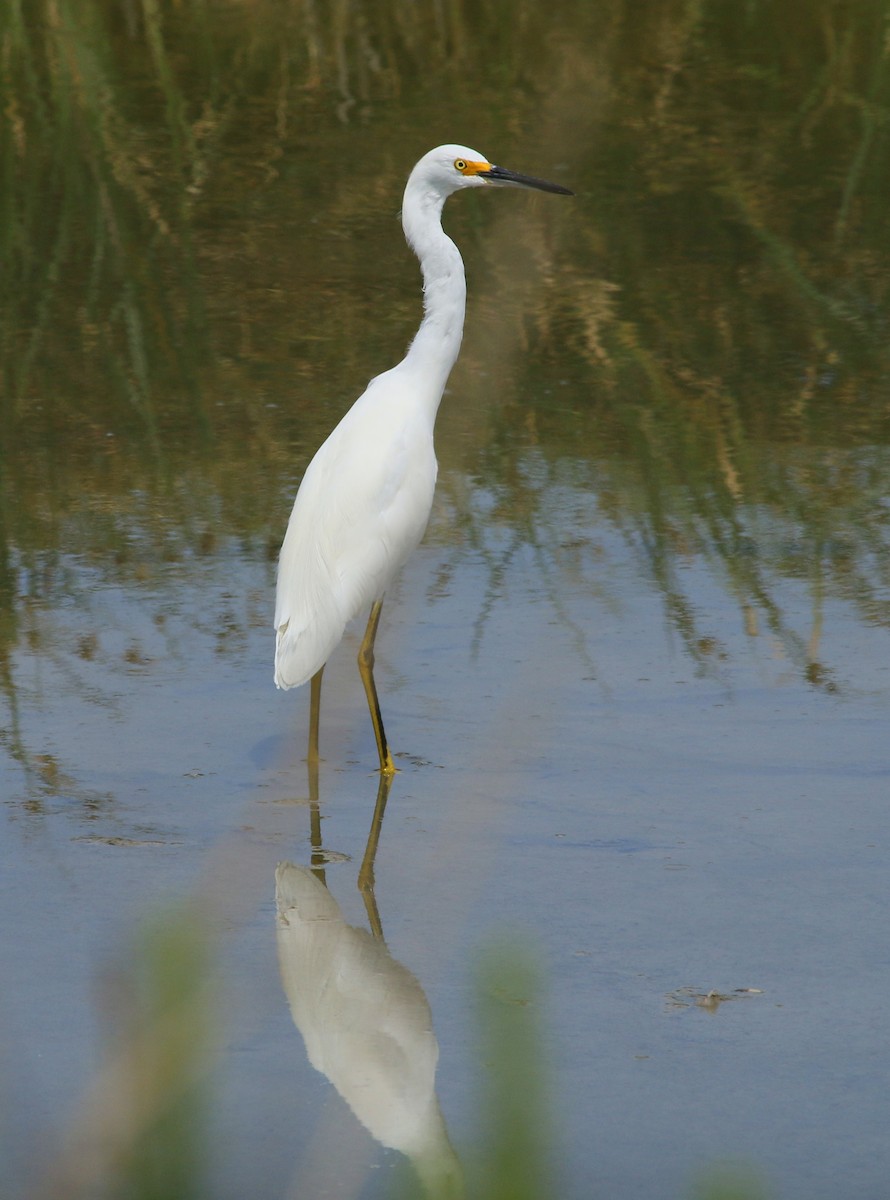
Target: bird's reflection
[364, 1018]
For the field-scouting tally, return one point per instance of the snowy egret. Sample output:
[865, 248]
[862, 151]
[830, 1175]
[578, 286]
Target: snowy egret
[365, 499]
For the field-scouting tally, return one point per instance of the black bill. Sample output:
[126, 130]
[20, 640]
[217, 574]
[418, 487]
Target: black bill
[502, 175]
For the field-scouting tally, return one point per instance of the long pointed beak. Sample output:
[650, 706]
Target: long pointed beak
[512, 179]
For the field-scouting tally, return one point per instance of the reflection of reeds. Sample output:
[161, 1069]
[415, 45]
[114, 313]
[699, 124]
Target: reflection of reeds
[113, 129]
[736, 351]
[717, 310]
[94, 230]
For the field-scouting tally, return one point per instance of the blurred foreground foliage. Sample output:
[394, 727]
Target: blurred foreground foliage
[142, 1128]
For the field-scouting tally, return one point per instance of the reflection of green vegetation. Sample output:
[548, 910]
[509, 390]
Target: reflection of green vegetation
[114, 148]
[198, 245]
[98, 276]
[730, 312]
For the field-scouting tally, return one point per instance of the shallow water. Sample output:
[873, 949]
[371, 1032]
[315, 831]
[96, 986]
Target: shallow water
[636, 677]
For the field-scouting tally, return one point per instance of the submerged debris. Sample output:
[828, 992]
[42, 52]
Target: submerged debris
[690, 997]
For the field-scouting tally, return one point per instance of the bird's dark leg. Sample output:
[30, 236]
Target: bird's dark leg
[318, 856]
[366, 873]
[366, 670]
[314, 715]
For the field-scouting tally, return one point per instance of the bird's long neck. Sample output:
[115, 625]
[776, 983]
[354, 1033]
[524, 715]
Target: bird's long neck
[437, 342]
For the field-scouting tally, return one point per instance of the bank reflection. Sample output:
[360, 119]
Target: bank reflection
[364, 1018]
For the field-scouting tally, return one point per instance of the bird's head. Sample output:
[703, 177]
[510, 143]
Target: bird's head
[450, 167]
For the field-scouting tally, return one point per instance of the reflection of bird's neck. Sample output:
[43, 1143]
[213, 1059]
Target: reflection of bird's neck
[435, 347]
[433, 1158]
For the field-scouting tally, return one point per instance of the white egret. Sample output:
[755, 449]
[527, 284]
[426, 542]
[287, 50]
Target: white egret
[365, 499]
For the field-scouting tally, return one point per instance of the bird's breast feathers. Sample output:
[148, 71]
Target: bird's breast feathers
[360, 511]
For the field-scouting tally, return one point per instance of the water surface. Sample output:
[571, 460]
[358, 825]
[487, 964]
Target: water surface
[636, 678]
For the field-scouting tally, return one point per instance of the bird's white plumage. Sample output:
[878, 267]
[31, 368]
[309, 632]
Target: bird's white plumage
[365, 498]
[344, 543]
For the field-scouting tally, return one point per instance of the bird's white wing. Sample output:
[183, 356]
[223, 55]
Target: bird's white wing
[360, 511]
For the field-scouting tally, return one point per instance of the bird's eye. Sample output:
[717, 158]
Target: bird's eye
[460, 165]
